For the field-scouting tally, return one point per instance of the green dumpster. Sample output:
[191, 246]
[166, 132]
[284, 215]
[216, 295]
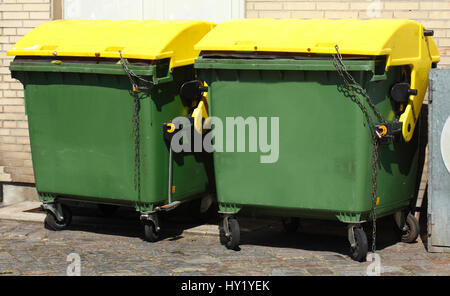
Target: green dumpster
[97, 95]
[328, 94]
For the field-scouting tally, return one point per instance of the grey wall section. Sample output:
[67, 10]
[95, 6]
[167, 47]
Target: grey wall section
[439, 161]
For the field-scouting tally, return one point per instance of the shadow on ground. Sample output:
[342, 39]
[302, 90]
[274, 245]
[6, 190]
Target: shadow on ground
[317, 235]
[126, 221]
[313, 235]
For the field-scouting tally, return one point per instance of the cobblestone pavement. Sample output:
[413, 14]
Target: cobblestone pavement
[114, 246]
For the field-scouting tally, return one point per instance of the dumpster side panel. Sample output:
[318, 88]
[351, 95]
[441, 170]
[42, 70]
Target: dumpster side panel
[325, 147]
[316, 158]
[189, 173]
[398, 162]
[80, 134]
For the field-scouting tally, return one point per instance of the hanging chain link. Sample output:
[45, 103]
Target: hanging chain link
[135, 119]
[348, 80]
[355, 88]
[133, 76]
[375, 155]
[137, 160]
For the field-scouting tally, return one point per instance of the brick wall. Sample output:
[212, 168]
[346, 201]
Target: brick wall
[17, 17]
[432, 14]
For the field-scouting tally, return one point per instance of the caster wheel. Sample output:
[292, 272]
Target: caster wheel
[107, 210]
[52, 223]
[222, 238]
[231, 242]
[150, 233]
[291, 225]
[359, 252]
[411, 230]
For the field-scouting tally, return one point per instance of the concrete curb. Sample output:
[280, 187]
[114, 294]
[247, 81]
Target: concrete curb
[21, 212]
[204, 230]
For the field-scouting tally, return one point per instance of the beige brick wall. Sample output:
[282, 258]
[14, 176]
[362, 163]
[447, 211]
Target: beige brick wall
[17, 17]
[433, 14]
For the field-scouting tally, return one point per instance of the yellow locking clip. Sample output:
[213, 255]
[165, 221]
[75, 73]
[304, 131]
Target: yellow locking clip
[171, 128]
[381, 131]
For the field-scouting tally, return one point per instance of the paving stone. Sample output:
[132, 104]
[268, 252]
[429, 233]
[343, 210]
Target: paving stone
[25, 259]
[188, 269]
[154, 271]
[351, 271]
[191, 274]
[333, 257]
[288, 272]
[319, 271]
[6, 255]
[395, 274]
[413, 268]
[391, 269]
[342, 263]
[202, 259]
[28, 249]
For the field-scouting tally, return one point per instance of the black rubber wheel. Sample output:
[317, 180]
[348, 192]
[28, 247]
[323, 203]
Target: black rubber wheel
[235, 234]
[107, 210]
[291, 225]
[222, 238]
[359, 252]
[412, 230]
[150, 233]
[52, 223]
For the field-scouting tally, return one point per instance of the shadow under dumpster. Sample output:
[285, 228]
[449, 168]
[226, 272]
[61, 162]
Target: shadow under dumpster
[126, 221]
[319, 235]
[313, 235]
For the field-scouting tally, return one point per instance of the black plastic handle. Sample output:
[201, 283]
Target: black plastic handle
[412, 92]
[428, 32]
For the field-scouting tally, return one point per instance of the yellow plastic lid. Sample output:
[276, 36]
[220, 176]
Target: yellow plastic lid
[401, 41]
[151, 40]
[369, 37]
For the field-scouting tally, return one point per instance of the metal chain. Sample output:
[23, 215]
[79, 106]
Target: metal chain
[375, 155]
[342, 69]
[351, 85]
[135, 120]
[136, 135]
[133, 76]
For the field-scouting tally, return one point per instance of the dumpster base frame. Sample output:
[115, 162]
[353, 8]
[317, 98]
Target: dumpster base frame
[320, 214]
